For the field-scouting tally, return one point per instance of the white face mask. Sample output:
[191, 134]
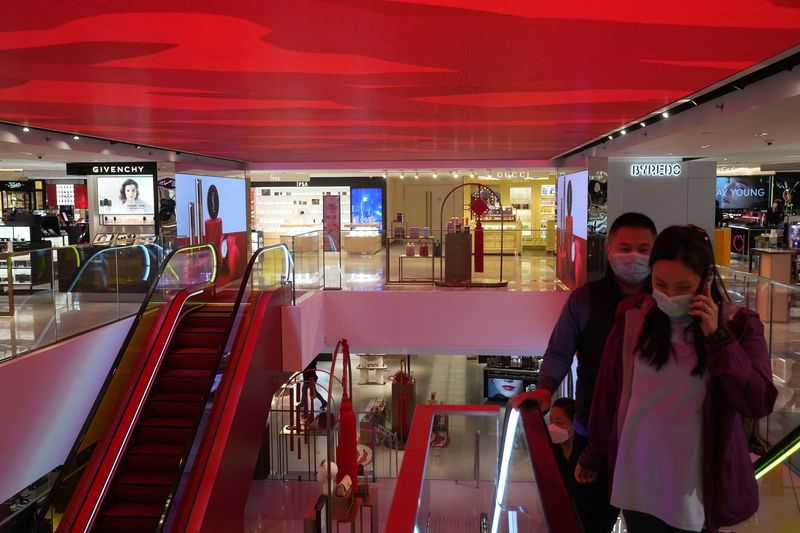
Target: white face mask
[557, 434]
[674, 306]
[630, 267]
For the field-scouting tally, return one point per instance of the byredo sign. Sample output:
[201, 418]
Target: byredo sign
[513, 174]
[656, 169]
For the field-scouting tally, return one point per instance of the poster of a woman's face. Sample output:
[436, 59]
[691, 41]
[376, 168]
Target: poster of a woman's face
[125, 195]
[503, 388]
[743, 192]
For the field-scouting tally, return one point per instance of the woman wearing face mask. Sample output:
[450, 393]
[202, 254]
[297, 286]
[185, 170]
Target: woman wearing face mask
[679, 370]
[590, 498]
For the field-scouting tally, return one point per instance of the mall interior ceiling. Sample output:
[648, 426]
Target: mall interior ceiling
[351, 86]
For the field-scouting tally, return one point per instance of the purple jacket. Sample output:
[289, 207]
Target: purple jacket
[740, 385]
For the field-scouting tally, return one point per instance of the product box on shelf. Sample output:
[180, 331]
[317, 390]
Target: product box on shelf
[413, 232]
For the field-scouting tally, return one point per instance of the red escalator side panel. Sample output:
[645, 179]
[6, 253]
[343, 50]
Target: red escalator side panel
[230, 454]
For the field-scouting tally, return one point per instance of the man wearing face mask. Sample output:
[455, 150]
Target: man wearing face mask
[588, 317]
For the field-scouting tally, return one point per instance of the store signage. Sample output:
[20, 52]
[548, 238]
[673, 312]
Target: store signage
[288, 176]
[656, 169]
[16, 185]
[302, 184]
[513, 174]
[120, 169]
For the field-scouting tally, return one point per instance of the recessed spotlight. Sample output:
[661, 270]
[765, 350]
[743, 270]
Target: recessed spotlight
[665, 114]
[705, 146]
[26, 129]
[692, 101]
[402, 175]
[762, 134]
[471, 173]
[138, 146]
[385, 175]
[76, 137]
[610, 137]
[642, 124]
[416, 175]
[455, 174]
[623, 132]
[435, 175]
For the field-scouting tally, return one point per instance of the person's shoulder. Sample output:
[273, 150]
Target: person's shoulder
[639, 303]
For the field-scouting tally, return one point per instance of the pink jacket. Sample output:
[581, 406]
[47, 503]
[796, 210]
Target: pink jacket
[740, 385]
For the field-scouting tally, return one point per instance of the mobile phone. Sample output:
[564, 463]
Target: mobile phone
[708, 280]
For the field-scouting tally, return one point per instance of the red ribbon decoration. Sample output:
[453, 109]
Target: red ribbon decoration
[346, 449]
[478, 245]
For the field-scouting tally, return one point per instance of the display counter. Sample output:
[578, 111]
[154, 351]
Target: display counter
[511, 236]
[743, 239]
[361, 238]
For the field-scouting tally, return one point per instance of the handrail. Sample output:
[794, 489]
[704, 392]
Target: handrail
[88, 262]
[405, 502]
[72, 456]
[557, 505]
[231, 335]
[785, 448]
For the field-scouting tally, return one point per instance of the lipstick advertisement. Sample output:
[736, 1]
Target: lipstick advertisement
[572, 205]
[211, 209]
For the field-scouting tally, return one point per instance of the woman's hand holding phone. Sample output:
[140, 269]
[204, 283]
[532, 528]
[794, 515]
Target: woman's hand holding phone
[704, 307]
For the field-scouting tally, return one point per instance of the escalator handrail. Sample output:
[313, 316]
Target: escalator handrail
[782, 450]
[88, 262]
[71, 457]
[224, 388]
[557, 505]
[113, 440]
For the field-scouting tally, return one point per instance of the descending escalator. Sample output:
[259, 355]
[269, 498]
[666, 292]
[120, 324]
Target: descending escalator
[152, 461]
[187, 383]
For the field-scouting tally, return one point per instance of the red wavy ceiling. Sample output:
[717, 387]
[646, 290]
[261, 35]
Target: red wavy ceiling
[365, 80]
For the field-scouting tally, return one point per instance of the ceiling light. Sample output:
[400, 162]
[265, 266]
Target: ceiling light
[705, 146]
[610, 137]
[385, 175]
[623, 132]
[455, 174]
[403, 175]
[416, 175]
[26, 129]
[76, 137]
[471, 173]
[665, 114]
[435, 175]
[138, 146]
[762, 134]
[692, 101]
[642, 124]
[10, 170]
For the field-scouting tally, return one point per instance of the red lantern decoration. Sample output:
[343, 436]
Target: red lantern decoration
[346, 449]
[478, 207]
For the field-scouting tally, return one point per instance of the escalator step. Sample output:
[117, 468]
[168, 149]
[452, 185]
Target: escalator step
[130, 518]
[183, 380]
[153, 487]
[153, 458]
[192, 360]
[207, 337]
[168, 409]
[207, 319]
[162, 435]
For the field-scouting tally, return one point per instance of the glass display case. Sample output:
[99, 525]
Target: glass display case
[521, 200]
[362, 238]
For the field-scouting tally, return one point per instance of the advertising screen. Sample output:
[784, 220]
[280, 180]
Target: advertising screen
[125, 195]
[572, 207]
[366, 205]
[743, 192]
[223, 220]
[501, 385]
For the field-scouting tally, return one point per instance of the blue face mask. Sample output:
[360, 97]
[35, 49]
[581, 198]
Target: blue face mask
[630, 267]
[673, 306]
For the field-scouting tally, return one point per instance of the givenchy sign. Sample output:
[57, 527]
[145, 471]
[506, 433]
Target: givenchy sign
[119, 169]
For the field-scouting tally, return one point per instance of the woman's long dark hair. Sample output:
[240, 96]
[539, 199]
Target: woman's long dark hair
[691, 246]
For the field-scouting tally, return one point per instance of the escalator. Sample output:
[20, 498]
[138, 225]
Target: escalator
[173, 400]
[148, 468]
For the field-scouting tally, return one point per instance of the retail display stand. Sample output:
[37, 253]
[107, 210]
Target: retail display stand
[371, 368]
